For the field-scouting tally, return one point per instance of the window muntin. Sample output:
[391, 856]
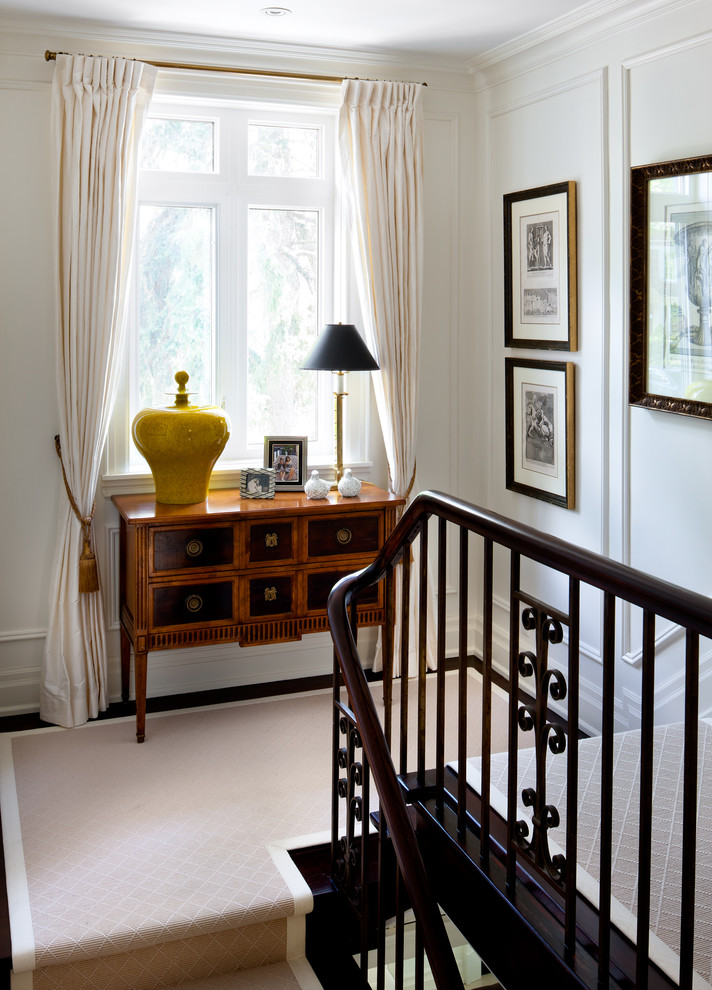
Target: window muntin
[291, 220]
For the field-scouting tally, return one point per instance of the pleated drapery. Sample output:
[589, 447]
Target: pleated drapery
[381, 145]
[98, 109]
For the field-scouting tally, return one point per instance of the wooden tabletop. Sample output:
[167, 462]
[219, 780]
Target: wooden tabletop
[227, 501]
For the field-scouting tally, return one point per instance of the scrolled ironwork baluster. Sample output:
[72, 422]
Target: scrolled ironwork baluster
[526, 664]
[555, 738]
[548, 735]
[529, 619]
[552, 630]
[526, 716]
[554, 683]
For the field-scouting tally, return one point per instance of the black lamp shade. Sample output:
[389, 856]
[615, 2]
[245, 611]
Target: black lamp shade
[340, 347]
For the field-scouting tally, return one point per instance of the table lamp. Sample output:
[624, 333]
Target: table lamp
[339, 349]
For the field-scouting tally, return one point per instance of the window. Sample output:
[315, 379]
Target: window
[234, 274]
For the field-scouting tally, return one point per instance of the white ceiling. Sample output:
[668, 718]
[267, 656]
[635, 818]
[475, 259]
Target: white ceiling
[459, 29]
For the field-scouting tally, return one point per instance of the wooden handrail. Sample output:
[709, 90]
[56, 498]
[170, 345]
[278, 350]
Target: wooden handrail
[692, 610]
[440, 955]
[664, 598]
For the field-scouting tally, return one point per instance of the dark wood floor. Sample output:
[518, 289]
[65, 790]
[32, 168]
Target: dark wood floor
[248, 692]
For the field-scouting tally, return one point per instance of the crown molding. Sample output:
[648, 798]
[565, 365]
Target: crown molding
[256, 53]
[598, 19]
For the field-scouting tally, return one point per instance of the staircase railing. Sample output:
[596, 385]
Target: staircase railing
[379, 837]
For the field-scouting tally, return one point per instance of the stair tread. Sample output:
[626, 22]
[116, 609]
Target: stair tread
[278, 976]
[156, 859]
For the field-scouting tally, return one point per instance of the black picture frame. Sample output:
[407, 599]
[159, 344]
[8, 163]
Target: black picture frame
[540, 268]
[287, 457]
[540, 440]
[670, 343]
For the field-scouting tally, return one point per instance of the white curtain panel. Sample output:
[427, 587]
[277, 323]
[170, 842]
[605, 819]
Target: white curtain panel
[381, 145]
[98, 109]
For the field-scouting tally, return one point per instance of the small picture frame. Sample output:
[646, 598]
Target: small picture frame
[256, 483]
[287, 457]
[540, 457]
[670, 367]
[540, 294]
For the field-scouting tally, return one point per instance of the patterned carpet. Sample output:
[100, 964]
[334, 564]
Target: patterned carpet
[666, 838]
[150, 864]
[138, 867]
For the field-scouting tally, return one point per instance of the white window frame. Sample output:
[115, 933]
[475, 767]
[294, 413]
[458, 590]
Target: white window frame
[123, 470]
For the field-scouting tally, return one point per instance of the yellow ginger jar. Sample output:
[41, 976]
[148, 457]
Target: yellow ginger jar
[181, 443]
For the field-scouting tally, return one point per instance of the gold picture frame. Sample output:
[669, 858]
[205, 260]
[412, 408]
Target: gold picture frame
[670, 345]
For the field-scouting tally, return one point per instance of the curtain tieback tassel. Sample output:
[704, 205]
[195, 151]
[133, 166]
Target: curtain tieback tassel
[88, 570]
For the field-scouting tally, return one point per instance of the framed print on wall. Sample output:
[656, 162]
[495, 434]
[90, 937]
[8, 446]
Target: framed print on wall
[287, 457]
[539, 398]
[540, 294]
[671, 287]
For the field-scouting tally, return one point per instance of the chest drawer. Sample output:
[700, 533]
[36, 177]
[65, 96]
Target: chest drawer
[270, 596]
[339, 535]
[320, 583]
[192, 603]
[182, 549]
[270, 541]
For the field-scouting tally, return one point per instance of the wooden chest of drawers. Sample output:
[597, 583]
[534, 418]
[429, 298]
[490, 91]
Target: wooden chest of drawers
[250, 571]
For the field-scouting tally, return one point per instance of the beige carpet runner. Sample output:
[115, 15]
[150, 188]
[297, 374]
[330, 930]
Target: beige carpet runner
[143, 867]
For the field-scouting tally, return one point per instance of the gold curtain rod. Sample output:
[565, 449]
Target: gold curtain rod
[51, 56]
[195, 67]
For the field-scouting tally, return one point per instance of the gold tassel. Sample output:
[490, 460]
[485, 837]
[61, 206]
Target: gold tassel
[88, 571]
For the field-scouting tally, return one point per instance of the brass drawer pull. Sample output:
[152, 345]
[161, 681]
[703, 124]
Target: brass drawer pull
[271, 594]
[271, 539]
[343, 536]
[194, 603]
[194, 548]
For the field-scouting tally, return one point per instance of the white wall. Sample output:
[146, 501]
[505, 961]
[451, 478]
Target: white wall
[621, 89]
[31, 491]
[625, 89]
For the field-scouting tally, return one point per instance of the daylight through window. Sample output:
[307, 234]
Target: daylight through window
[234, 270]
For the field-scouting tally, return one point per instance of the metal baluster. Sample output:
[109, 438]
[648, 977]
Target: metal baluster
[486, 702]
[388, 654]
[422, 648]
[405, 643]
[336, 746]
[689, 809]
[514, 574]
[462, 685]
[400, 931]
[607, 731]
[381, 911]
[646, 799]
[363, 812]
[572, 768]
[440, 673]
